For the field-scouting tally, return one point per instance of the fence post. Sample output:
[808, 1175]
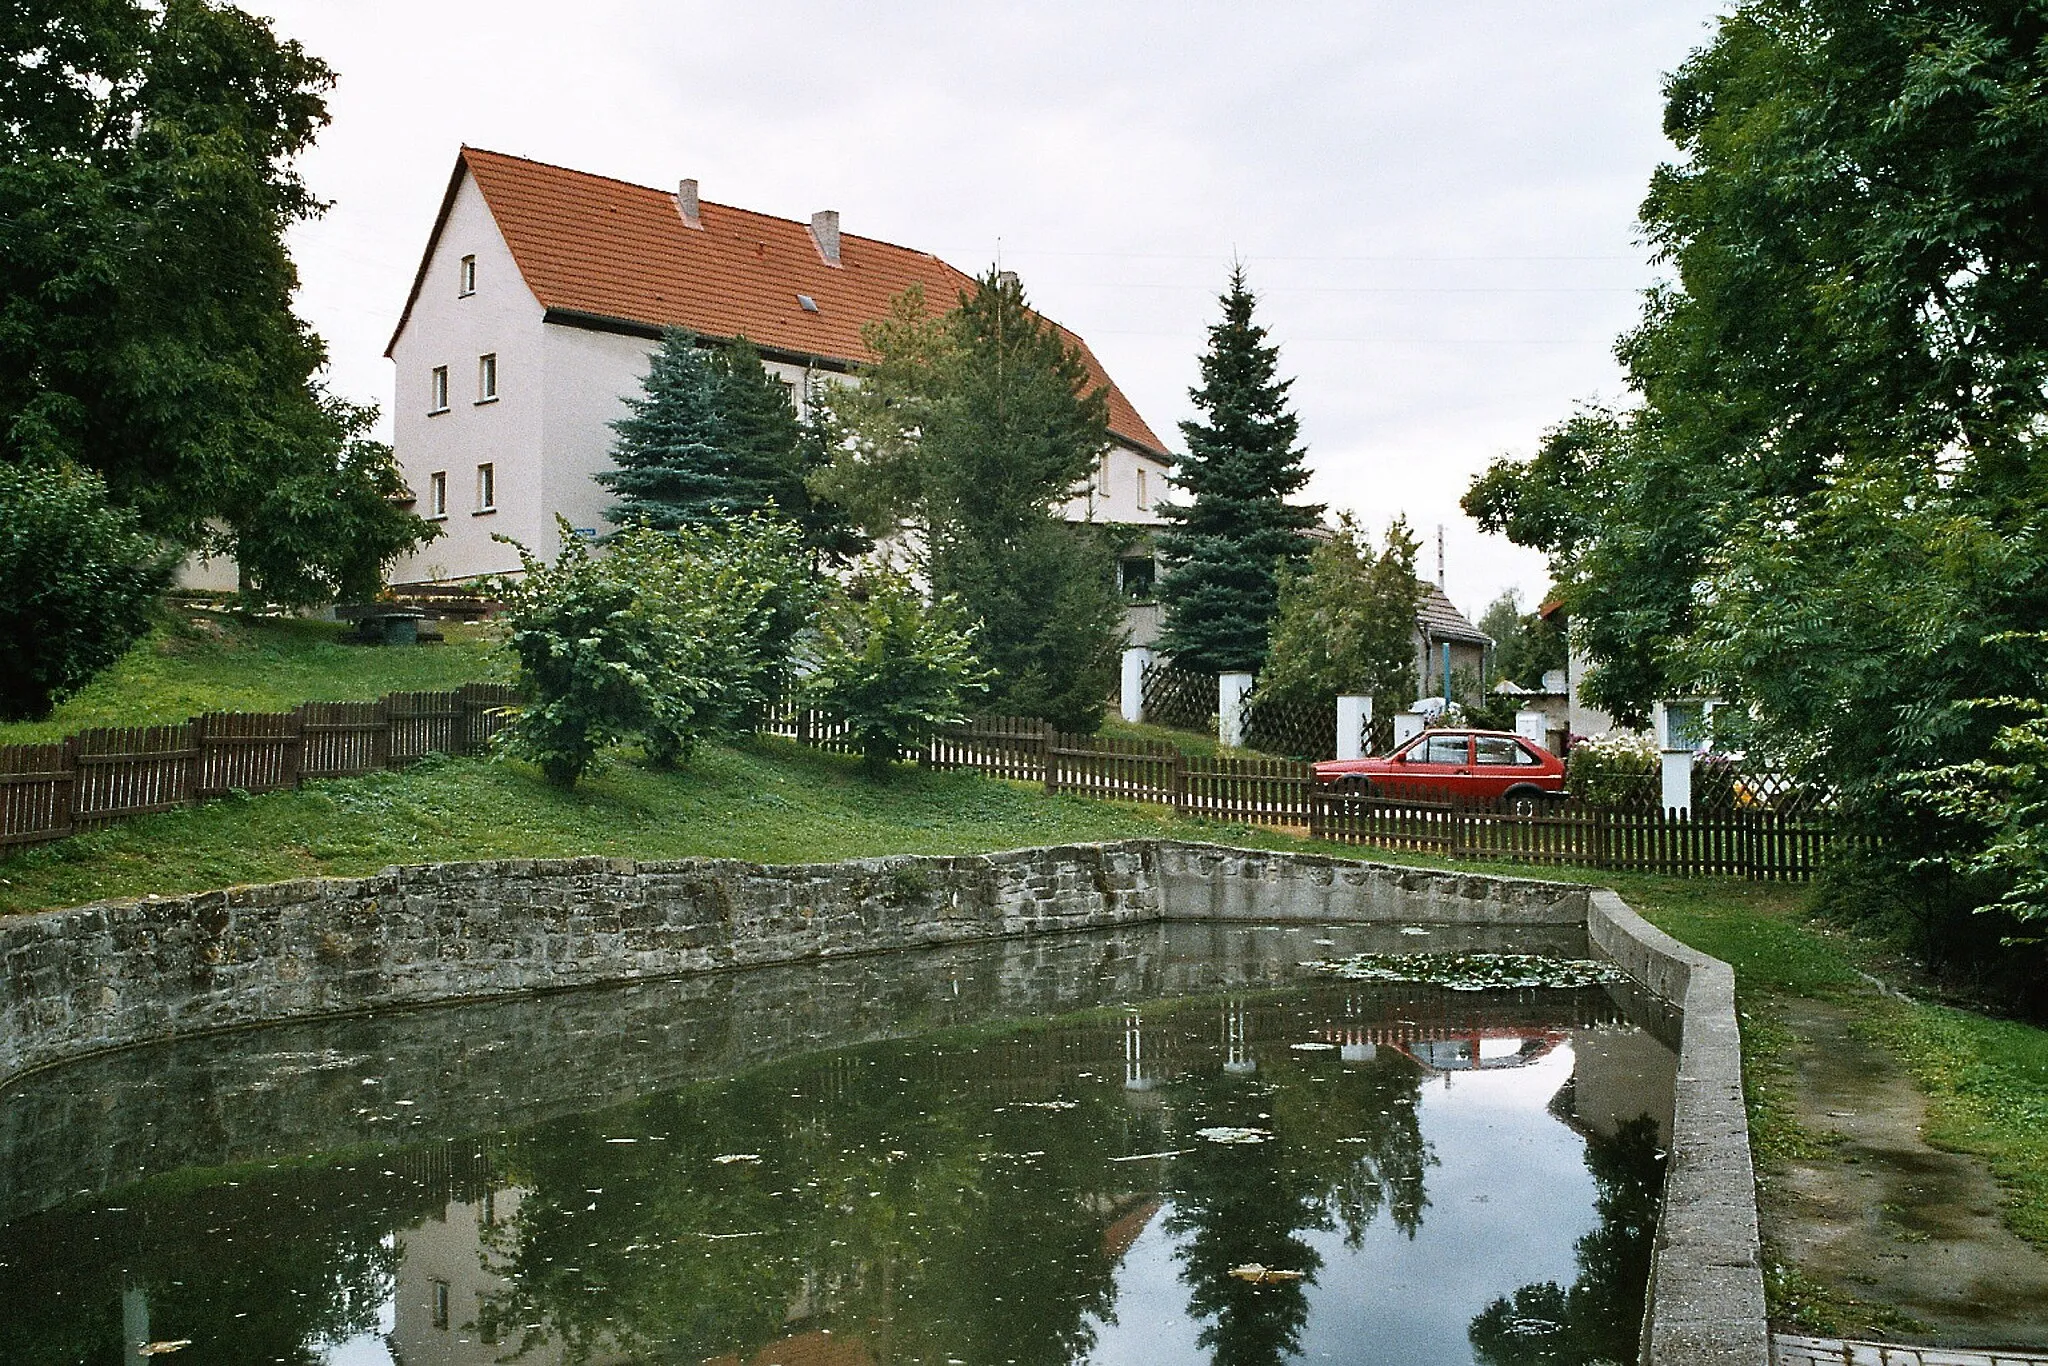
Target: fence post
[74, 798]
[1178, 778]
[1230, 694]
[1354, 715]
[1137, 659]
[1052, 768]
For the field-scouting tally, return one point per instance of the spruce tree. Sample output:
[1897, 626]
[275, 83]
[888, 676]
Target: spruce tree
[1228, 548]
[672, 467]
[1016, 425]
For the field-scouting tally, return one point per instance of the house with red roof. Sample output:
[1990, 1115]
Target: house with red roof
[542, 293]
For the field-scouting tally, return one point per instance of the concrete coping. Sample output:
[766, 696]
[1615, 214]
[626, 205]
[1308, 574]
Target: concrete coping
[120, 974]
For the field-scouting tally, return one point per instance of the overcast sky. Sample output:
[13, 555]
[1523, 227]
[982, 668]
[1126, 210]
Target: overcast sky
[1435, 201]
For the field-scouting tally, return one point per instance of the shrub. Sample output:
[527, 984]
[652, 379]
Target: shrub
[673, 636]
[76, 581]
[891, 667]
[1614, 770]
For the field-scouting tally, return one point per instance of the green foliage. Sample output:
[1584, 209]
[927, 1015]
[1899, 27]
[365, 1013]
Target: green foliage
[1346, 622]
[890, 667]
[1526, 645]
[146, 325]
[587, 656]
[1828, 508]
[671, 465]
[671, 637]
[1614, 770]
[969, 430]
[1228, 549]
[76, 580]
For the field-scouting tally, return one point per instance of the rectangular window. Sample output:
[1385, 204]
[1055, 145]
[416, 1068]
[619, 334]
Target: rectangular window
[468, 275]
[487, 378]
[486, 488]
[438, 390]
[1496, 749]
[1141, 491]
[440, 1304]
[437, 494]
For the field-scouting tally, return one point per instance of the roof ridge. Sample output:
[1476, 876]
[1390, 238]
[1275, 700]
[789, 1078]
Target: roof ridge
[714, 203]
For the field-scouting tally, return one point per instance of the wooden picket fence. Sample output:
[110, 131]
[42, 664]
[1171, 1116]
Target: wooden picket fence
[1764, 843]
[98, 776]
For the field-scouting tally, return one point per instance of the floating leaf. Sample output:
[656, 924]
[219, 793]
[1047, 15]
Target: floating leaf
[1470, 971]
[1264, 1275]
[1232, 1133]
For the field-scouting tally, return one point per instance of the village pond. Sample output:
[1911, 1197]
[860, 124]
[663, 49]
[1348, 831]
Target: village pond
[1155, 1145]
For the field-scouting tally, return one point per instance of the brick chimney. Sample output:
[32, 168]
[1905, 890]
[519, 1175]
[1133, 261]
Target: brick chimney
[686, 201]
[825, 232]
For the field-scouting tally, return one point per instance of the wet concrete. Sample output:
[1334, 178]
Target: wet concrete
[1886, 1218]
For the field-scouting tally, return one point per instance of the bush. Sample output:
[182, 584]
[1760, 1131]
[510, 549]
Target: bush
[671, 637]
[76, 581]
[891, 668]
[1617, 769]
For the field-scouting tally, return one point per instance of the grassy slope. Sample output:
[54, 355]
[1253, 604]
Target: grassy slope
[201, 662]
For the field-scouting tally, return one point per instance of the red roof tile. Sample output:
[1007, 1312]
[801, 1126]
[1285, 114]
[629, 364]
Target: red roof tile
[592, 245]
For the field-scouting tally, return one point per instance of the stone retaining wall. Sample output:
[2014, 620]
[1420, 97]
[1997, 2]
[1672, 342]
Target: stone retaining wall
[111, 975]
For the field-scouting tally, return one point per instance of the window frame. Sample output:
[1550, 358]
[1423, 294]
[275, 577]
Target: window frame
[466, 277]
[486, 487]
[437, 496]
[437, 390]
[487, 377]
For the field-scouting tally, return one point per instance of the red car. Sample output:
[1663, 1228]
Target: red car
[1469, 766]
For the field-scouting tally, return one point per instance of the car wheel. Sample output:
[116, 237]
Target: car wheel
[1525, 801]
[1354, 787]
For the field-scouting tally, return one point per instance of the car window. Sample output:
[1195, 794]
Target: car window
[1444, 749]
[1524, 755]
[1496, 749]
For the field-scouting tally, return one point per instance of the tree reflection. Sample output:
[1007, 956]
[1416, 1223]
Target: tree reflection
[1598, 1318]
[1347, 1143]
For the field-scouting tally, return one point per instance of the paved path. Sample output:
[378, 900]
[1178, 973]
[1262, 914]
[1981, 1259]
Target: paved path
[1787, 1350]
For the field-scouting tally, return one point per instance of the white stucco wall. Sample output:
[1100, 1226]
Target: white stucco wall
[447, 328]
[1113, 492]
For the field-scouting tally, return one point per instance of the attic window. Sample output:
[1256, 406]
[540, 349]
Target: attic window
[807, 303]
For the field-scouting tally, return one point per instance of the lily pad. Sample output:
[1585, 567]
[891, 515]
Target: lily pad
[1470, 971]
[1233, 1133]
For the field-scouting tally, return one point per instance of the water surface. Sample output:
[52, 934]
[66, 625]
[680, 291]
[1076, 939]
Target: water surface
[992, 1154]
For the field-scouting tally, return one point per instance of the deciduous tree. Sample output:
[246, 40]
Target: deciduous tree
[146, 323]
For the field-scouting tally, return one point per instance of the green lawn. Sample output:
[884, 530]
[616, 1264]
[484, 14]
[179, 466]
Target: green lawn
[200, 661]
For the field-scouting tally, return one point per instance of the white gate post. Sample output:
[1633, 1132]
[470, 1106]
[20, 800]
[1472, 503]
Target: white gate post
[1407, 725]
[1137, 659]
[1677, 766]
[1230, 694]
[1354, 714]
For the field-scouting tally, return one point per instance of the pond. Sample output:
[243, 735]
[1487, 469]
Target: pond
[1162, 1144]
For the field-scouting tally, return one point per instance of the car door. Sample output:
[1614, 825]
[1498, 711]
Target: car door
[1498, 763]
[1439, 766]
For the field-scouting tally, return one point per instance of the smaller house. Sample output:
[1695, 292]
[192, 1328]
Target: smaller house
[1582, 718]
[1440, 626]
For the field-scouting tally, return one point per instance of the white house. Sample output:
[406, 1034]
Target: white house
[542, 293]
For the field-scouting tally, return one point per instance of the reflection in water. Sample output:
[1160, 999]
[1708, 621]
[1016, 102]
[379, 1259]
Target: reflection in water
[959, 1187]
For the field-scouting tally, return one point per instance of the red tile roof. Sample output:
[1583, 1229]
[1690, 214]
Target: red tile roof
[590, 245]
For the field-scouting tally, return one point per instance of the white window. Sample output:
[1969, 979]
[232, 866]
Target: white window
[440, 1303]
[438, 390]
[487, 378]
[437, 494]
[1141, 489]
[486, 488]
[468, 276]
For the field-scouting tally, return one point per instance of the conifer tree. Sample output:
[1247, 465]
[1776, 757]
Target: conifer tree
[672, 468]
[1227, 549]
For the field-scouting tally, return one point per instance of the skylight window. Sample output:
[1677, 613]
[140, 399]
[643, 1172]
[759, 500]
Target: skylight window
[807, 303]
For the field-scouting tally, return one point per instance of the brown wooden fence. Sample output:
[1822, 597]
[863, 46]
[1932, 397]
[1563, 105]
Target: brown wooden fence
[1759, 842]
[49, 791]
